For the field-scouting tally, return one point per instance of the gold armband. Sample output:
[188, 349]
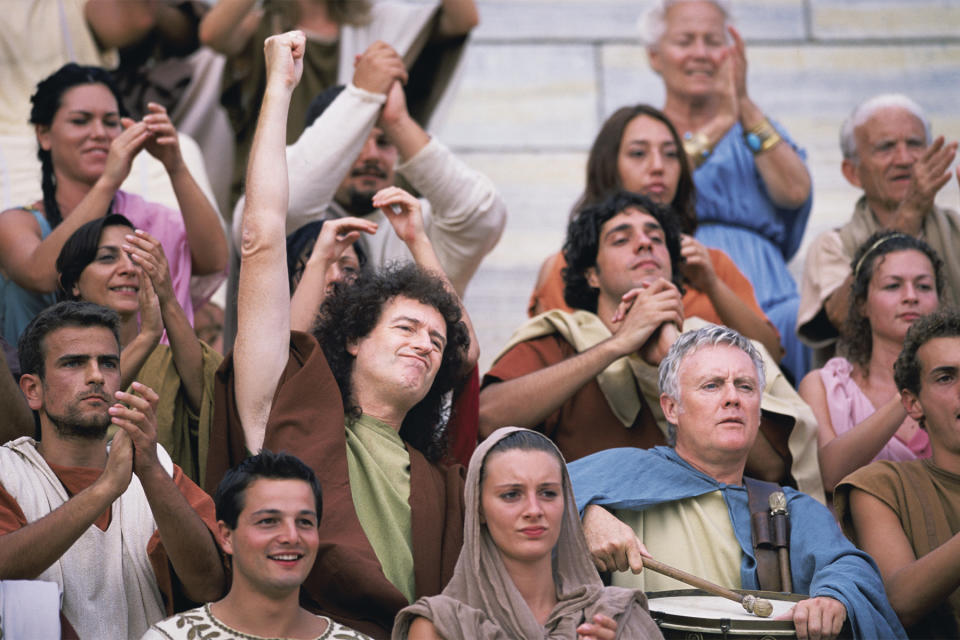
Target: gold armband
[762, 137]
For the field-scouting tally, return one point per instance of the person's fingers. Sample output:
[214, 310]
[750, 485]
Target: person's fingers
[146, 393]
[800, 614]
[635, 556]
[932, 150]
[132, 401]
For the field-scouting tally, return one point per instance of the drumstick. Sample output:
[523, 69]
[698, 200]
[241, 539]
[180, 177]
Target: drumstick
[756, 606]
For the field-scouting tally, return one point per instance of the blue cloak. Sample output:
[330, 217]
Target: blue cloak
[823, 561]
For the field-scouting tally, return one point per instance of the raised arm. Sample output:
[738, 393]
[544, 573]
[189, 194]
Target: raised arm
[842, 454]
[528, 400]
[30, 260]
[336, 235]
[467, 213]
[229, 25]
[783, 172]
[403, 212]
[699, 269]
[339, 133]
[189, 544]
[457, 18]
[30, 550]
[205, 235]
[263, 300]
[147, 252]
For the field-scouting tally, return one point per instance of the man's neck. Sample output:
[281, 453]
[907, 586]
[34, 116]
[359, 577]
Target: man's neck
[71, 451]
[257, 614]
[605, 310]
[725, 471]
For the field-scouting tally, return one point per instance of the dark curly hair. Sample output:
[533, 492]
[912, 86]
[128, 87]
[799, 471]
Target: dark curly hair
[856, 341]
[583, 243]
[907, 370]
[46, 102]
[603, 174]
[351, 312]
[80, 250]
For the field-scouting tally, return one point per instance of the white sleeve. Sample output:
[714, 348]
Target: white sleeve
[322, 155]
[466, 215]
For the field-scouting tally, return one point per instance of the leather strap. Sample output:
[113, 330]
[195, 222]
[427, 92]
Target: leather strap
[765, 538]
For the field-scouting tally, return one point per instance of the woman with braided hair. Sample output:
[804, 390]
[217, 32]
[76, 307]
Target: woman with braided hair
[86, 147]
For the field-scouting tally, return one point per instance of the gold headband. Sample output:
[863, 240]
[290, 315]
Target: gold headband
[873, 247]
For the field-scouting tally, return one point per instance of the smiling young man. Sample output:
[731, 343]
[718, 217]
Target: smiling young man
[113, 526]
[689, 507]
[361, 399]
[889, 153]
[907, 514]
[268, 513]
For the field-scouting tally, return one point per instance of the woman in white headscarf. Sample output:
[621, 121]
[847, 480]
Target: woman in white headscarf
[524, 570]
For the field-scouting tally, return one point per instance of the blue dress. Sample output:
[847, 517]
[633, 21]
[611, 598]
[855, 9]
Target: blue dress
[18, 305]
[734, 213]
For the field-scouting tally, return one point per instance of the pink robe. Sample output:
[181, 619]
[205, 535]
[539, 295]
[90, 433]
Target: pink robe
[849, 406]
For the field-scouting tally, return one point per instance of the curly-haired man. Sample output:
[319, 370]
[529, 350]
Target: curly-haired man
[360, 400]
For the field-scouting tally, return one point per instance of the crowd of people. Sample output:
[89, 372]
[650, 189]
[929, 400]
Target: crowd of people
[324, 459]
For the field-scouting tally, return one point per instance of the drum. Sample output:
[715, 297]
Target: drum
[692, 614]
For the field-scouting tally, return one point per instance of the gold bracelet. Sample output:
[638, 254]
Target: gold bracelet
[697, 147]
[761, 137]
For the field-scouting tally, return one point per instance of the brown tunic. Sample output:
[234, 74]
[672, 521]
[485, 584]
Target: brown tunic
[927, 501]
[584, 424]
[347, 582]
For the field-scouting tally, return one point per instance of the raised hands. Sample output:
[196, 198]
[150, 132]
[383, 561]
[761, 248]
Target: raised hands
[163, 143]
[929, 174]
[404, 213]
[697, 267]
[147, 253]
[648, 319]
[335, 237]
[377, 68]
[284, 54]
[135, 414]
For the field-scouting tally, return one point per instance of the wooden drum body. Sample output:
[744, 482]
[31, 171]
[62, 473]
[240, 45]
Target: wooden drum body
[692, 614]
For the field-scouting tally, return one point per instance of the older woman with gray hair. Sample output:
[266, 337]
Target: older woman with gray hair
[753, 189]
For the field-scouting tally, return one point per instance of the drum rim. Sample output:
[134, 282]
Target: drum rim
[681, 622]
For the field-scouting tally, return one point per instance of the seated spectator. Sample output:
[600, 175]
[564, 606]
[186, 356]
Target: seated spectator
[754, 192]
[268, 504]
[361, 400]
[638, 150]
[887, 152]
[339, 31]
[587, 379]
[897, 279]
[109, 263]
[534, 583]
[117, 527]
[905, 513]
[86, 148]
[689, 507]
[350, 152]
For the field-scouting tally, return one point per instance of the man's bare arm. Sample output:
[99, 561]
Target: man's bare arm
[263, 299]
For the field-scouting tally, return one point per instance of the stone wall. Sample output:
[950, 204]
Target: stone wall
[541, 75]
